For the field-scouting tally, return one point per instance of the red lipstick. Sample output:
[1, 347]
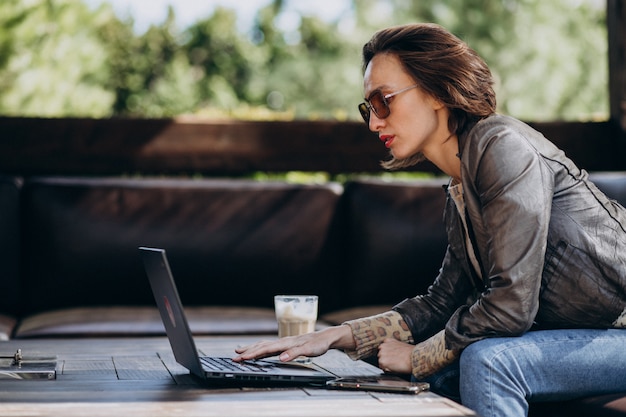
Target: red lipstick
[387, 139]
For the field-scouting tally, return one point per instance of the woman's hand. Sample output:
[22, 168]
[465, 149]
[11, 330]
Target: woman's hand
[288, 348]
[395, 356]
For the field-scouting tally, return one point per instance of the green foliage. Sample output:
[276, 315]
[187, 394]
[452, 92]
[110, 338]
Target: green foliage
[59, 58]
[51, 60]
[549, 58]
[218, 55]
[149, 74]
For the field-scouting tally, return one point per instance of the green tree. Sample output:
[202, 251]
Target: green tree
[59, 58]
[549, 57]
[149, 74]
[51, 61]
[222, 58]
[303, 73]
[317, 76]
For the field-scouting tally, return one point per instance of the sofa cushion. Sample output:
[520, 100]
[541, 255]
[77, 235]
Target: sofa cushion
[145, 321]
[7, 325]
[229, 242]
[611, 405]
[613, 184]
[396, 239]
[602, 406]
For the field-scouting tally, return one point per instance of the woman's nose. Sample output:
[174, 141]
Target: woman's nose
[375, 123]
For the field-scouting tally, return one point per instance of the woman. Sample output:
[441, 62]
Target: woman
[530, 302]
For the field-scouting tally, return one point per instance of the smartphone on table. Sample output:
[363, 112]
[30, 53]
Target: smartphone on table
[380, 383]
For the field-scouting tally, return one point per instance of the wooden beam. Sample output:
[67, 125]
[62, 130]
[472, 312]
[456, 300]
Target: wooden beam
[616, 29]
[168, 146]
[69, 146]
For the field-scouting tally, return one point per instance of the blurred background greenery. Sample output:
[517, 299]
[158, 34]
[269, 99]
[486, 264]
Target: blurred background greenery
[65, 58]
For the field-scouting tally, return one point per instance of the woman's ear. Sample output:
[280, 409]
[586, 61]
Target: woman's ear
[435, 103]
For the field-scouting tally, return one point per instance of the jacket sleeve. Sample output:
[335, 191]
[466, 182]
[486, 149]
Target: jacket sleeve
[508, 191]
[427, 314]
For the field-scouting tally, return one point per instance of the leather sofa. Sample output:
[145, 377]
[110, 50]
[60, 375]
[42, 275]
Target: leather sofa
[71, 268]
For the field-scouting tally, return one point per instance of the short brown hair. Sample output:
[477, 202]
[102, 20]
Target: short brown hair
[445, 67]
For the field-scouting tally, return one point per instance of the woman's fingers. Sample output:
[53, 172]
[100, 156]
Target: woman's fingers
[310, 344]
[260, 349]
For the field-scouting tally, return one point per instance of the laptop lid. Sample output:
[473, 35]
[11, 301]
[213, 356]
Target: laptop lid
[184, 347]
[171, 309]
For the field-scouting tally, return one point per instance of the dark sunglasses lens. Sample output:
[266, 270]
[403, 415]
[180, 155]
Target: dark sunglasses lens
[365, 112]
[378, 104]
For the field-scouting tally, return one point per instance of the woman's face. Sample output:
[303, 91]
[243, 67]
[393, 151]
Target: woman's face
[417, 123]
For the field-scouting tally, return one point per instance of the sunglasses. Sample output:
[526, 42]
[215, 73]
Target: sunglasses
[379, 104]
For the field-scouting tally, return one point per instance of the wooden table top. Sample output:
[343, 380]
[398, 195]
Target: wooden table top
[139, 377]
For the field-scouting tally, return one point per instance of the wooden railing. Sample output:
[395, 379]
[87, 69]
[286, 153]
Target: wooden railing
[31, 146]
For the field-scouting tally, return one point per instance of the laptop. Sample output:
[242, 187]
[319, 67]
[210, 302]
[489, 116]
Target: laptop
[318, 371]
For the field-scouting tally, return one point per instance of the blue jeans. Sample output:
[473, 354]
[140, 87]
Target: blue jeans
[499, 376]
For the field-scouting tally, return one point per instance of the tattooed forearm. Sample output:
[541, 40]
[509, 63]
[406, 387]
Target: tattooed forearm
[431, 356]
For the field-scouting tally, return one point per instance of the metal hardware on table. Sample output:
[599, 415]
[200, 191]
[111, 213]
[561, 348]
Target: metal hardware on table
[17, 358]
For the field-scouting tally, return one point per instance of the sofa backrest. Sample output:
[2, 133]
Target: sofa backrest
[396, 238]
[10, 188]
[230, 242]
[71, 242]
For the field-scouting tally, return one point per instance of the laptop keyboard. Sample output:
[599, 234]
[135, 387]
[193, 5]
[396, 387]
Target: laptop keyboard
[228, 365]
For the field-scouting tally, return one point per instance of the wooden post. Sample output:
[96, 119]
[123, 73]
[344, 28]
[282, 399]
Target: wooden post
[616, 28]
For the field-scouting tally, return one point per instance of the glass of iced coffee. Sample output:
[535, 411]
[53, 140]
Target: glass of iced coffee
[296, 314]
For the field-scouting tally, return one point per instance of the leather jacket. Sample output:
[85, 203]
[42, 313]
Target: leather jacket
[551, 247]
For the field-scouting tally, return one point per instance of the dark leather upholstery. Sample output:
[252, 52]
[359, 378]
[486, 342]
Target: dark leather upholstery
[395, 240]
[10, 295]
[229, 242]
[611, 405]
[613, 184]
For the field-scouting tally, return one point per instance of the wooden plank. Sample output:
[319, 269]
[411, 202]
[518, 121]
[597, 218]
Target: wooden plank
[94, 369]
[171, 147]
[405, 407]
[140, 368]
